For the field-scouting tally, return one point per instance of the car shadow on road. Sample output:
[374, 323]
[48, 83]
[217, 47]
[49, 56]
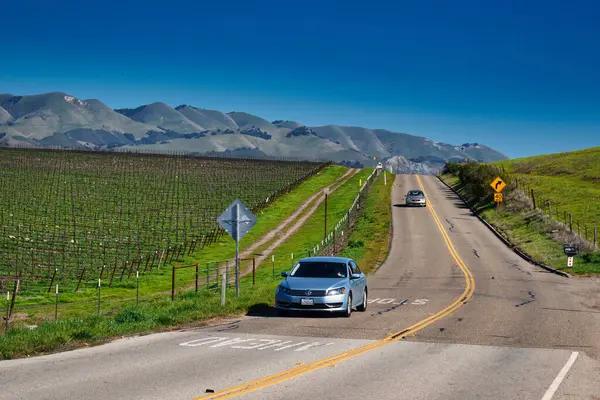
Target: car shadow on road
[266, 311]
[402, 205]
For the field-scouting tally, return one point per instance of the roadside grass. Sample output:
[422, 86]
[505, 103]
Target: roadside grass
[370, 239]
[568, 195]
[160, 314]
[159, 280]
[190, 308]
[532, 232]
[313, 231]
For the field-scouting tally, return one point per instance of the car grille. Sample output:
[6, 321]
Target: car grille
[313, 307]
[313, 293]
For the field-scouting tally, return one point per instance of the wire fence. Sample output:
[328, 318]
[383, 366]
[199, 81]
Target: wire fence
[75, 217]
[131, 280]
[587, 234]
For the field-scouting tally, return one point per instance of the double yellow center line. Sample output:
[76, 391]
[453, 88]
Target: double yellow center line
[315, 365]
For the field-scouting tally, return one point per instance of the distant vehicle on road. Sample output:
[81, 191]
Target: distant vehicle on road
[416, 198]
[331, 284]
[379, 165]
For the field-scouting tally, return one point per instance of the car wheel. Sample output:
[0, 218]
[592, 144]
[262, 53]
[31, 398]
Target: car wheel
[348, 311]
[363, 306]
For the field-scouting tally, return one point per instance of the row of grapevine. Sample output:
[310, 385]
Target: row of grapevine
[71, 216]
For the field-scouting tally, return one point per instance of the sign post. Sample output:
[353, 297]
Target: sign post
[237, 220]
[571, 250]
[498, 185]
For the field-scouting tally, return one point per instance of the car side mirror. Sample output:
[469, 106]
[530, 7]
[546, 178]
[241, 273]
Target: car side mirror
[355, 276]
[284, 274]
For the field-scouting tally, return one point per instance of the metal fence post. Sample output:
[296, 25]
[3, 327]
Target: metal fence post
[99, 283]
[56, 304]
[223, 288]
[253, 271]
[173, 284]
[7, 308]
[197, 278]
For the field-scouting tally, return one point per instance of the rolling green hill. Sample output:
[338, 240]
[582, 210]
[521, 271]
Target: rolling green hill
[570, 181]
[564, 185]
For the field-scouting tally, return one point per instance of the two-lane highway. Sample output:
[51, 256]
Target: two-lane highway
[485, 324]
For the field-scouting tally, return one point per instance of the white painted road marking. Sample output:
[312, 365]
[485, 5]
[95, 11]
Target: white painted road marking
[561, 375]
[418, 302]
[253, 343]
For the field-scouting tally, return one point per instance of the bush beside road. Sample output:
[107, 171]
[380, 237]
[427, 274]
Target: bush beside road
[533, 231]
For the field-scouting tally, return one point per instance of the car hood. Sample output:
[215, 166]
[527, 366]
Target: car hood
[313, 283]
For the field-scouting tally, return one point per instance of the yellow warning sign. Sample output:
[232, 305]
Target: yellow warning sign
[498, 185]
[498, 197]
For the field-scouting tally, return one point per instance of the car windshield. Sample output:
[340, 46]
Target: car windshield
[415, 193]
[319, 269]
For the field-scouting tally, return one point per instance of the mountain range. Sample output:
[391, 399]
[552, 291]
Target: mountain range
[61, 120]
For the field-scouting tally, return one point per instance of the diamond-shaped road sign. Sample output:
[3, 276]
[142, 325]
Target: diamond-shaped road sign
[237, 211]
[498, 185]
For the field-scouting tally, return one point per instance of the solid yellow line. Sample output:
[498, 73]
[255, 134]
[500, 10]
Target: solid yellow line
[306, 368]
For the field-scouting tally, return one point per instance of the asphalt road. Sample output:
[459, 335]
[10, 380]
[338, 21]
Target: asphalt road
[524, 334]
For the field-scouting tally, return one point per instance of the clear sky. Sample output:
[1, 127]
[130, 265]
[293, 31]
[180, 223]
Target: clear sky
[520, 76]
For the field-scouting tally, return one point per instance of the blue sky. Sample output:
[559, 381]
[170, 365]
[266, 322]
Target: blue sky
[520, 76]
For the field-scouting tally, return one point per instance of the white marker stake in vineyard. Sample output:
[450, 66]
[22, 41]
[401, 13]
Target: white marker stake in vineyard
[237, 220]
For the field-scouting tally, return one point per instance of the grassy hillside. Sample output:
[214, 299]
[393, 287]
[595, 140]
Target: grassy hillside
[570, 181]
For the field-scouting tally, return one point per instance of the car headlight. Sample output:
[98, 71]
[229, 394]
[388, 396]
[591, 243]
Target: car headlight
[336, 291]
[283, 289]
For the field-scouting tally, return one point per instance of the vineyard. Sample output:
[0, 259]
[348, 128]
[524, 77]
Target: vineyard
[68, 217]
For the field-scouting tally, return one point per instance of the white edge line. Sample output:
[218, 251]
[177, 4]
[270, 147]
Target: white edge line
[561, 375]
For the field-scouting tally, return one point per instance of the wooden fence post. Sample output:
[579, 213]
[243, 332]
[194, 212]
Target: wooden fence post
[571, 222]
[533, 199]
[595, 237]
[550, 209]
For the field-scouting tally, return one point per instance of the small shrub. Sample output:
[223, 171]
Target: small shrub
[354, 244]
[129, 315]
[82, 334]
[166, 320]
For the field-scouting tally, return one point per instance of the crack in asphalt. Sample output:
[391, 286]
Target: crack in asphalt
[476, 254]
[451, 229]
[531, 299]
[520, 269]
[403, 302]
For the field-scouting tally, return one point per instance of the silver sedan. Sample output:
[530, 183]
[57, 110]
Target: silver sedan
[331, 284]
[416, 198]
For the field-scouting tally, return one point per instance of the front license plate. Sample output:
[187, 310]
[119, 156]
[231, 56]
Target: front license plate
[307, 302]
